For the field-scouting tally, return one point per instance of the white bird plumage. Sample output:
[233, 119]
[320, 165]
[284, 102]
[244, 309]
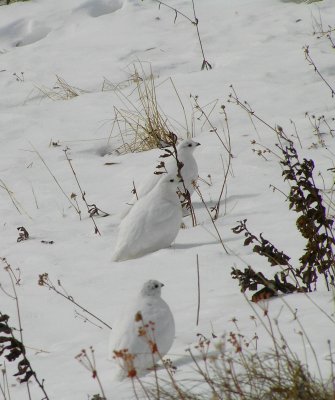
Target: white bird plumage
[152, 223]
[189, 172]
[149, 314]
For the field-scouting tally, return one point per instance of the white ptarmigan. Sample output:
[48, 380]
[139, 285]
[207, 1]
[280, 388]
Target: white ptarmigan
[189, 172]
[143, 335]
[152, 223]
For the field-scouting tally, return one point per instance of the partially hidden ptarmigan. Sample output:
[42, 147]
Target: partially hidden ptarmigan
[152, 223]
[143, 335]
[189, 172]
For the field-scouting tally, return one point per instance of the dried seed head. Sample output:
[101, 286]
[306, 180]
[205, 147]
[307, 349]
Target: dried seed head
[138, 316]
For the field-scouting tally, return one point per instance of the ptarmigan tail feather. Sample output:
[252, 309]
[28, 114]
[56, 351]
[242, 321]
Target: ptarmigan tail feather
[117, 255]
[122, 253]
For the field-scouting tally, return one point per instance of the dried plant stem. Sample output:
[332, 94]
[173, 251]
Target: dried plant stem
[224, 184]
[331, 362]
[204, 375]
[89, 363]
[12, 276]
[45, 281]
[83, 194]
[5, 387]
[177, 12]
[173, 381]
[181, 104]
[142, 387]
[56, 180]
[246, 107]
[61, 90]
[205, 64]
[294, 314]
[85, 319]
[10, 194]
[216, 208]
[16, 281]
[227, 146]
[197, 190]
[134, 389]
[260, 319]
[198, 280]
[142, 120]
[213, 128]
[312, 63]
[320, 308]
[15, 202]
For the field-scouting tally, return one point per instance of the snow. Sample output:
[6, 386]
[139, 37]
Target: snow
[257, 46]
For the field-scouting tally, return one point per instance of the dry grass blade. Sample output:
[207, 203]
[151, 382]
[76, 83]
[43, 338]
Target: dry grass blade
[141, 123]
[231, 370]
[61, 90]
[13, 199]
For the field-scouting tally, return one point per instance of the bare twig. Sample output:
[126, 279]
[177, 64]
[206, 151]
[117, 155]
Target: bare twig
[197, 190]
[44, 280]
[24, 366]
[56, 180]
[205, 64]
[92, 209]
[213, 129]
[15, 202]
[89, 363]
[312, 63]
[198, 279]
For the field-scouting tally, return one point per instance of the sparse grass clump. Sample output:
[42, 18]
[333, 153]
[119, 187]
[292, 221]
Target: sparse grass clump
[235, 372]
[141, 123]
[61, 90]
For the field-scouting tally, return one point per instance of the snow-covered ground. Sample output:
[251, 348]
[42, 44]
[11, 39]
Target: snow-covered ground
[257, 46]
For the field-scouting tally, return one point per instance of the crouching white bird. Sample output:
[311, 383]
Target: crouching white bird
[152, 223]
[189, 172]
[143, 335]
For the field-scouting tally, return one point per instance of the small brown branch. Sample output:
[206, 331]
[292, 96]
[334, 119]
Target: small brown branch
[199, 108]
[89, 363]
[205, 64]
[91, 209]
[27, 370]
[197, 190]
[177, 12]
[312, 63]
[55, 179]
[45, 281]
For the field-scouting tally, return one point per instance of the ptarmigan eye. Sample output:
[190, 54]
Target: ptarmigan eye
[190, 145]
[156, 286]
[171, 180]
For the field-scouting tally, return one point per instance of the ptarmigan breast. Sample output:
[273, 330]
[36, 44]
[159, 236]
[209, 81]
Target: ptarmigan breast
[189, 173]
[152, 223]
[143, 335]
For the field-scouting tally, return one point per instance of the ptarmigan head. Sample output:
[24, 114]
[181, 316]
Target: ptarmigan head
[188, 145]
[171, 182]
[152, 288]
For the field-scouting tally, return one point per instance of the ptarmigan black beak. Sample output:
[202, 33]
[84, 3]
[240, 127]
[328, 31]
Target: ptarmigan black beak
[198, 144]
[162, 284]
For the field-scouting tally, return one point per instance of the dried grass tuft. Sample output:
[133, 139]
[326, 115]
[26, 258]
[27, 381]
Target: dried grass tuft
[61, 90]
[141, 123]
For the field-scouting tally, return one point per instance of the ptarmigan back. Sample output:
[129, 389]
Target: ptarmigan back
[152, 223]
[189, 172]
